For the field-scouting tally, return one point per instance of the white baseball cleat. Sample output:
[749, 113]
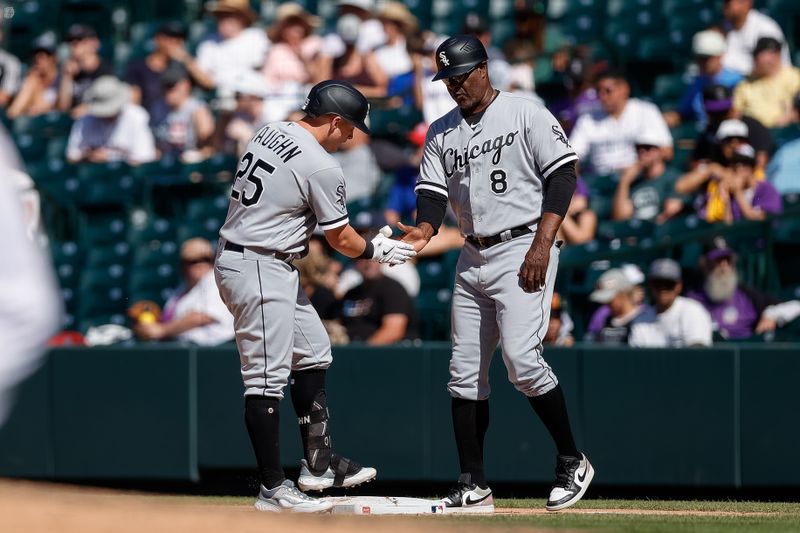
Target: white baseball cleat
[573, 476]
[467, 497]
[350, 474]
[287, 498]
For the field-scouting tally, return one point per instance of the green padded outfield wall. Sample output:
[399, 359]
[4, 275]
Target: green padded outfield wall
[717, 417]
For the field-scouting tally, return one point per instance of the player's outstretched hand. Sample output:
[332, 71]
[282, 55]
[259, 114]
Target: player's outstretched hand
[533, 271]
[391, 251]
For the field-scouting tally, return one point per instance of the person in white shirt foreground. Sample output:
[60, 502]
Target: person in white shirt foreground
[195, 313]
[680, 322]
[30, 306]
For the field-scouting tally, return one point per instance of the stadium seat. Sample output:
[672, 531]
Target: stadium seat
[103, 256]
[107, 184]
[102, 229]
[153, 283]
[630, 231]
[602, 205]
[152, 231]
[200, 208]
[668, 88]
[434, 306]
[784, 135]
[43, 126]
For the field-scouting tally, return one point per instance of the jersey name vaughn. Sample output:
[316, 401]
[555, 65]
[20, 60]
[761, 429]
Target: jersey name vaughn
[457, 158]
[281, 144]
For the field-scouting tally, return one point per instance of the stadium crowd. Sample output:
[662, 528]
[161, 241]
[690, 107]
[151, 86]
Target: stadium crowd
[724, 150]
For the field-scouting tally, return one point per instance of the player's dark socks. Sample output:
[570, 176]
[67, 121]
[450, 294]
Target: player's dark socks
[262, 418]
[552, 410]
[470, 422]
[305, 386]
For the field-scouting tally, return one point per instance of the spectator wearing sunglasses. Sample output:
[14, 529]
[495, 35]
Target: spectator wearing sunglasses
[646, 189]
[195, 313]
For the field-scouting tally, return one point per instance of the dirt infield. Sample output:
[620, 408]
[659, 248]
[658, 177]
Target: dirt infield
[47, 508]
[43, 508]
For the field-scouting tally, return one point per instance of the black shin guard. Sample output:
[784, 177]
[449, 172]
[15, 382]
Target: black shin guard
[262, 418]
[310, 404]
[470, 422]
[552, 410]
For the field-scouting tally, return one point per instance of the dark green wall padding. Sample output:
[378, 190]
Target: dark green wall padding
[720, 417]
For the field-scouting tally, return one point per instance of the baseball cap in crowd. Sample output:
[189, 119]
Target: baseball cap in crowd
[250, 84]
[418, 134]
[717, 98]
[45, 42]
[107, 96]
[767, 43]
[347, 28]
[664, 269]
[744, 153]
[648, 137]
[174, 74]
[718, 249]
[76, 32]
[173, 28]
[732, 128]
[474, 24]
[633, 273]
[611, 283]
[708, 43]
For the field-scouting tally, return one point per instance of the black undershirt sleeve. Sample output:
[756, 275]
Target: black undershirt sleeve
[558, 189]
[431, 208]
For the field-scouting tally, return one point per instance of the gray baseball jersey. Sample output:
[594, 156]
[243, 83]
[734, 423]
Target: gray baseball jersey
[492, 166]
[286, 183]
[301, 184]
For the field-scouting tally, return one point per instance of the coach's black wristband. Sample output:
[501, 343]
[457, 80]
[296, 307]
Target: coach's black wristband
[369, 250]
[558, 189]
[431, 208]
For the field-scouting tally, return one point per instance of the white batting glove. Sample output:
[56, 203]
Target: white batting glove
[389, 250]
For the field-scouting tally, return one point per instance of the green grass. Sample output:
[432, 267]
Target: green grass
[783, 516]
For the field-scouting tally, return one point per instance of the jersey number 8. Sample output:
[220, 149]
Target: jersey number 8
[499, 184]
[251, 170]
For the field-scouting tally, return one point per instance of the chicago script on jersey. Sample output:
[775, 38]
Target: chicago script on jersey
[456, 160]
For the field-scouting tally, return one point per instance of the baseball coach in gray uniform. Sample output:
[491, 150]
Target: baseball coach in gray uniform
[287, 183]
[509, 172]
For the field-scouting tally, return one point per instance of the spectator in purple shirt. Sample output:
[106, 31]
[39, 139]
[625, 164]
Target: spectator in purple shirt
[737, 311]
[751, 198]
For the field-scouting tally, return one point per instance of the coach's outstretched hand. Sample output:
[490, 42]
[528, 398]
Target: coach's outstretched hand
[417, 236]
[390, 251]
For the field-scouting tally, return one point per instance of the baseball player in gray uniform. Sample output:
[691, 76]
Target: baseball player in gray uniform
[286, 184]
[509, 172]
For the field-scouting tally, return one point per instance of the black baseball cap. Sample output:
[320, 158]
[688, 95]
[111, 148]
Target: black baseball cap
[77, 32]
[767, 43]
[173, 28]
[717, 98]
[174, 74]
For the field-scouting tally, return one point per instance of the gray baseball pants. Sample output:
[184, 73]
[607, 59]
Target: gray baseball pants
[277, 329]
[489, 305]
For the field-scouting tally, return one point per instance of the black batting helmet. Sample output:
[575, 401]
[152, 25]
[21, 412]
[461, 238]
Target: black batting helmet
[458, 55]
[340, 98]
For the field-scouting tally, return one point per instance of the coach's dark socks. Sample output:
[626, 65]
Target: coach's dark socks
[552, 410]
[263, 423]
[470, 421]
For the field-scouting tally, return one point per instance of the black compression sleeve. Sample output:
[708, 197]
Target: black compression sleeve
[558, 189]
[431, 207]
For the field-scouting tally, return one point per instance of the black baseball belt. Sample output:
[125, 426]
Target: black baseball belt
[503, 236]
[280, 256]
